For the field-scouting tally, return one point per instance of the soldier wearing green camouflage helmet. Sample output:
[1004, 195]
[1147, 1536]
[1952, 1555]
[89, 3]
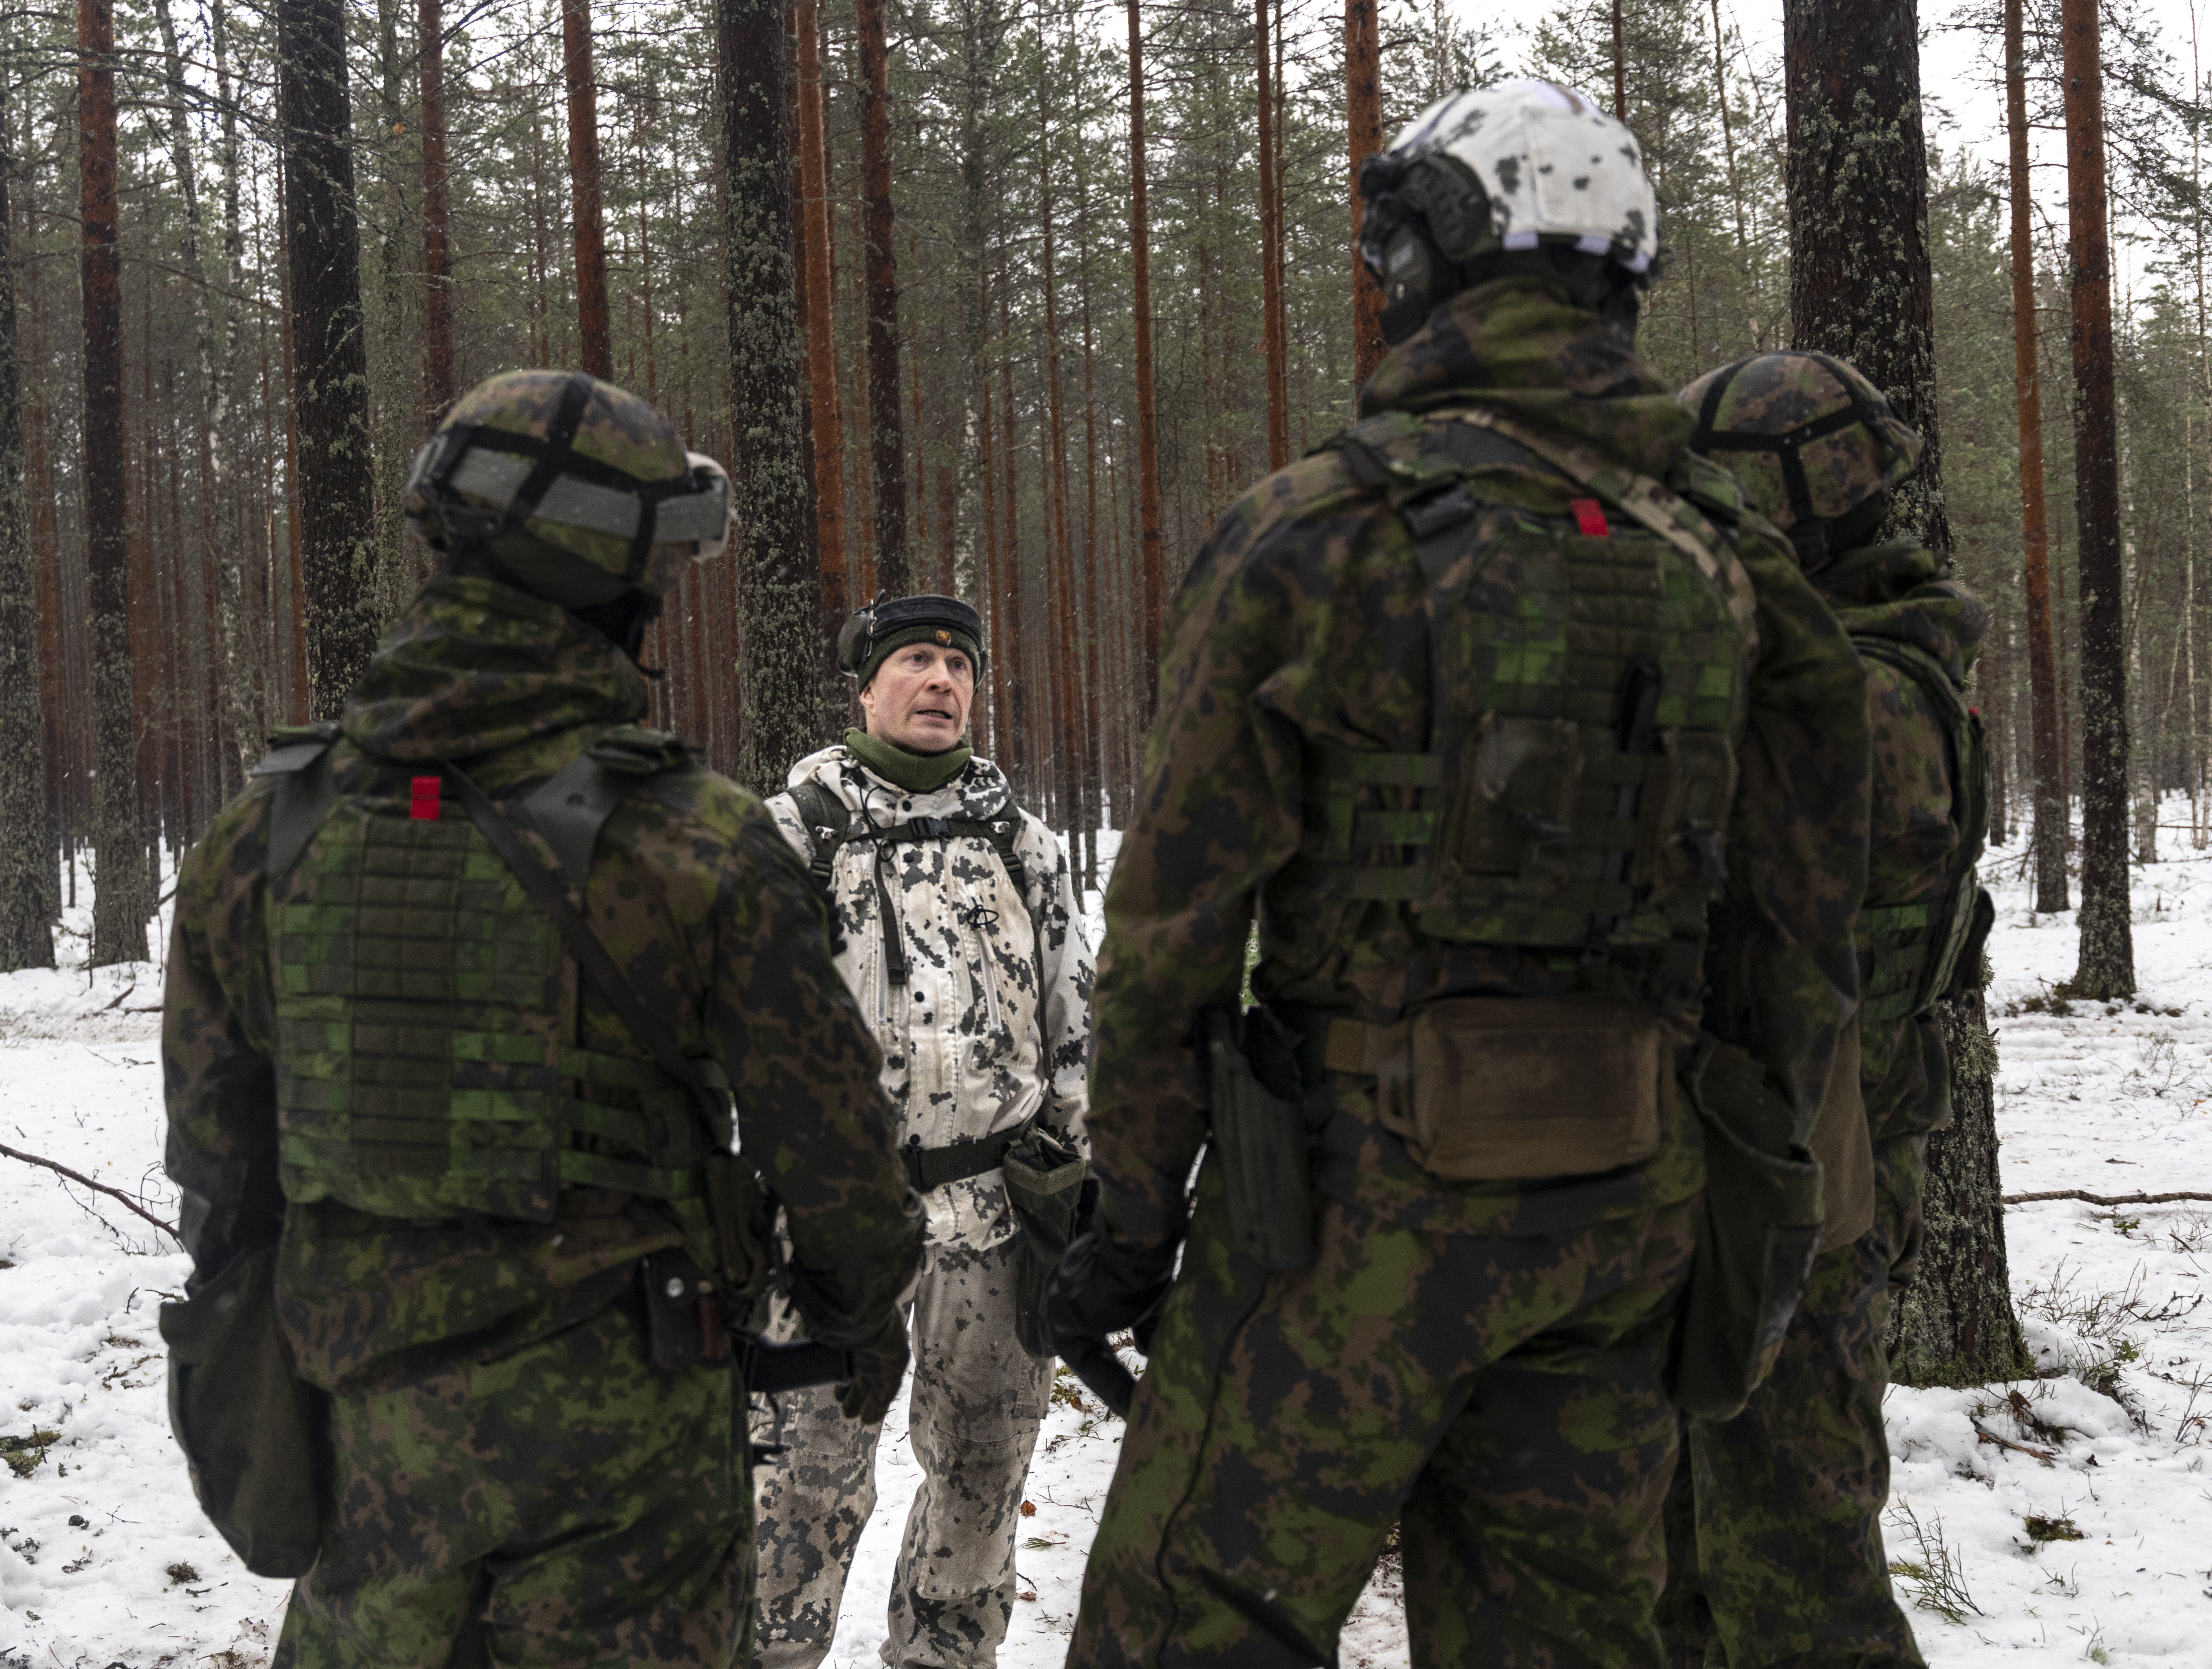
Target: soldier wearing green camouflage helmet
[1775, 1544]
[1541, 772]
[496, 1023]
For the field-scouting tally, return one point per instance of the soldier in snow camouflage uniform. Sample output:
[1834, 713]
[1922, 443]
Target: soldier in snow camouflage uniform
[376, 1047]
[1782, 1561]
[1475, 1351]
[959, 931]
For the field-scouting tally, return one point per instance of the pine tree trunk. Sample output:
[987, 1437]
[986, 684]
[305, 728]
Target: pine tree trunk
[1363, 88]
[335, 505]
[829, 419]
[1271, 277]
[778, 586]
[438, 386]
[2048, 835]
[2107, 965]
[26, 835]
[1620, 67]
[1955, 1325]
[1154, 563]
[886, 445]
[1861, 288]
[121, 903]
[595, 350]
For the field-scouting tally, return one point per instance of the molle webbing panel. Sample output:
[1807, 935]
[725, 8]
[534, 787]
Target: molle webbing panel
[421, 1068]
[1548, 815]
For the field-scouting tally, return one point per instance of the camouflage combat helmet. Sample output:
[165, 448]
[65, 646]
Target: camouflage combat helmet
[580, 489]
[1496, 170]
[1808, 437]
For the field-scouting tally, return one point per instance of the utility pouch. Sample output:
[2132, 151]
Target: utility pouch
[1496, 1089]
[1757, 1239]
[252, 1433]
[1044, 1179]
[1260, 1137]
[683, 1313]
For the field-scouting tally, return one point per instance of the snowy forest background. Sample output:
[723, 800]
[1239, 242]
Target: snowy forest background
[1006, 464]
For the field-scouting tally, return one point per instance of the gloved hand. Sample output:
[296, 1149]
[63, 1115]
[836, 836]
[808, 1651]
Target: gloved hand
[1099, 1288]
[879, 1365]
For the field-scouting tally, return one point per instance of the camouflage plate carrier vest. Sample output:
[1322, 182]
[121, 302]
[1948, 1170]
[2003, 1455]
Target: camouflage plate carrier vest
[426, 1060]
[1590, 679]
[1910, 953]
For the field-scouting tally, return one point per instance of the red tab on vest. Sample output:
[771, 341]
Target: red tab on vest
[422, 804]
[1590, 517]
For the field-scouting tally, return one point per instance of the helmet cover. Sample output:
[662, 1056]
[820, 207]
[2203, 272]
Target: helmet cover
[1553, 166]
[1809, 437]
[581, 465]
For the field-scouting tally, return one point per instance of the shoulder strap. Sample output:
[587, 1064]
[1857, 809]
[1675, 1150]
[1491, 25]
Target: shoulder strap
[1665, 513]
[300, 761]
[570, 807]
[827, 823]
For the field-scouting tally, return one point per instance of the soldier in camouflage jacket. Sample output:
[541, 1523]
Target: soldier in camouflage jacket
[1774, 1531]
[977, 987]
[510, 1480]
[1482, 1363]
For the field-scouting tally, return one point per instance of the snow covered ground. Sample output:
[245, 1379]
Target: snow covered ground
[2065, 1517]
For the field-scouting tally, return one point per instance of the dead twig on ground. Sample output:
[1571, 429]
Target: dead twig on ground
[2101, 1199]
[168, 1228]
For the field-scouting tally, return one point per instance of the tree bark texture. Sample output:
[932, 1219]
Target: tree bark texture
[1955, 1324]
[2048, 832]
[886, 444]
[336, 504]
[829, 419]
[1861, 288]
[1273, 335]
[2107, 965]
[1154, 558]
[1857, 172]
[595, 350]
[438, 386]
[1363, 98]
[121, 902]
[26, 830]
[779, 589]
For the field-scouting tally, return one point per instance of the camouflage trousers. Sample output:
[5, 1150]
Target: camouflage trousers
[1774, 1524]
[976, 1403]
[1498, 1398]
[568, 1505]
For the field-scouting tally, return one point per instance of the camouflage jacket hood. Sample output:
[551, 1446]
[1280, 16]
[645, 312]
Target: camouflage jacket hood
[476, 667]
[1901, 591]
[1520, 345]
[992, 1022]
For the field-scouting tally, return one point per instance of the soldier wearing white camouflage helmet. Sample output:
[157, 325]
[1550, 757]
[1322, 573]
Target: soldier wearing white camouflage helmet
[961, 935]
[1535, 770]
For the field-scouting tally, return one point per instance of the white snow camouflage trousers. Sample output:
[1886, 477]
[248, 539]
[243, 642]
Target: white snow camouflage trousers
[976, 1401]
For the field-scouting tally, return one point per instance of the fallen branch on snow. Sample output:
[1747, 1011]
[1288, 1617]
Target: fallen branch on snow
[168, 1229]
[2101, 1199]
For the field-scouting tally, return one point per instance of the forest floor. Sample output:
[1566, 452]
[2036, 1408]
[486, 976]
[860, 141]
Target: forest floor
[2063, 1516]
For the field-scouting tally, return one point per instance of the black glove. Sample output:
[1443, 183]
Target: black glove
[1098, 1289]
[879, 1365]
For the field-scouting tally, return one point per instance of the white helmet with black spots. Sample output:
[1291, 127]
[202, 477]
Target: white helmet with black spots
[1519, 166]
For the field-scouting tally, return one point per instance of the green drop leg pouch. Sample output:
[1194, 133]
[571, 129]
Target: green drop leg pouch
[252, 1433]
[1044, 1182]
[1756, 1240]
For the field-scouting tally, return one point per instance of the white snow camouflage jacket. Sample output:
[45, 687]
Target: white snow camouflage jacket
[969, 1048]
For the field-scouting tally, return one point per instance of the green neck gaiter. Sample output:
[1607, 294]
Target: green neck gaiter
[917, 773]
